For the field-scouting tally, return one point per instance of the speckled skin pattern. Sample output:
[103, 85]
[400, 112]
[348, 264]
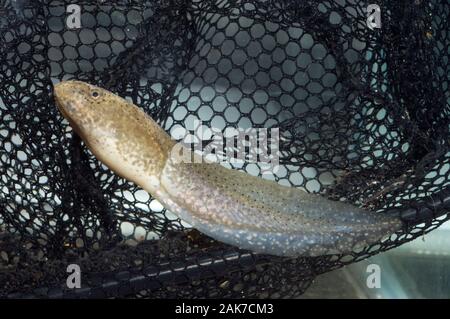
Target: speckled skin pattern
[228, 205]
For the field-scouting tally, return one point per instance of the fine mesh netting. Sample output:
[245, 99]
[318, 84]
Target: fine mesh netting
[363, 117]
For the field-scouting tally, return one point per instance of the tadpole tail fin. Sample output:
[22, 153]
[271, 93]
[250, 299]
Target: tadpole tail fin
[266, 217]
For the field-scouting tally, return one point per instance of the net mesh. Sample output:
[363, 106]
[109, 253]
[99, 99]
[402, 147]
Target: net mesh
[363, 117]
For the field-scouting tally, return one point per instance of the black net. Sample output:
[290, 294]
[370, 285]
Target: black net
[363, 117]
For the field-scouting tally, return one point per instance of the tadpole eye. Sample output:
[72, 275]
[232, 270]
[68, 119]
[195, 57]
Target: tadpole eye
[95, 94]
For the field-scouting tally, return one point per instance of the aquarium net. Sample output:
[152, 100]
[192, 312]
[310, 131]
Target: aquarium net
[362, 113]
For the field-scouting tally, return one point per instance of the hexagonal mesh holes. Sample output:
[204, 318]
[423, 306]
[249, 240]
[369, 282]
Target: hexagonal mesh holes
[363, 117]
